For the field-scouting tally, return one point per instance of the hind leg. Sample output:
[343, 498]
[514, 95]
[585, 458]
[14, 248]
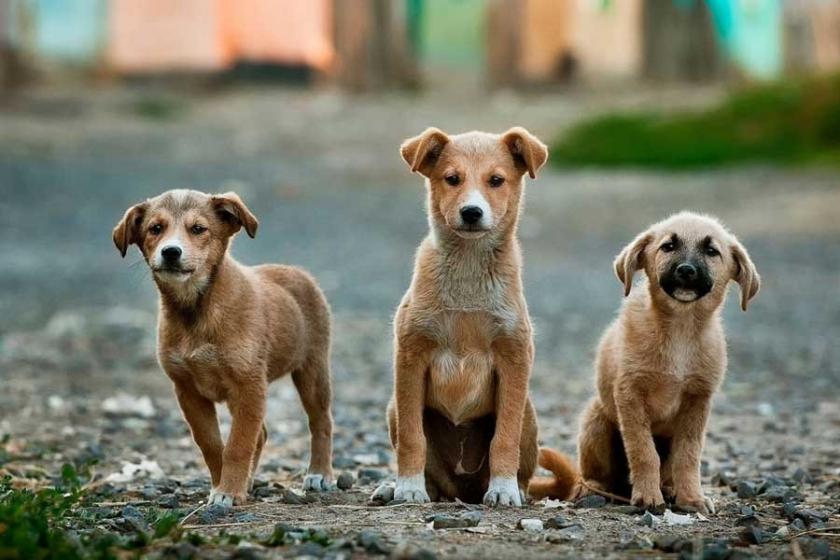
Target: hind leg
[255, 462]
[596, 451]
[313, 385]
[528, 449]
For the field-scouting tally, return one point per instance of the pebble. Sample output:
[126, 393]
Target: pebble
[368, 475]
[754, 534]
[810, 516]
[815, 548]
[745, 490]
[801, 476]
[168, 501]
[649, 520]
[462, 521]
[410, 551]
[591, 501]
[571, 533]
[778, 493]
[345, 481]
[372, 542]
[530, 525]
[748, 521]
[384, 494]
[558, 522]
[293, 498]
[212, 514]
[134, 518]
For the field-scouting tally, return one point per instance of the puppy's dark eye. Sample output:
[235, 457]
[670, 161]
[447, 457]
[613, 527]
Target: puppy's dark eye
[497, 181]
[197, 229]
[155, 229]
[452, 180]
[667, 247]
[711, 251]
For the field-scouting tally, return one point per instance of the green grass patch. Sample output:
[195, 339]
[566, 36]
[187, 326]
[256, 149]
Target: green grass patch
[786, 123]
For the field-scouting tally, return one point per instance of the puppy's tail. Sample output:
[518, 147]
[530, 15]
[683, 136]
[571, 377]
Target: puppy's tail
[562, 485]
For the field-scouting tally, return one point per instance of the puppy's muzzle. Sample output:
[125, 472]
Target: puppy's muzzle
[687, 282]
[471, 215]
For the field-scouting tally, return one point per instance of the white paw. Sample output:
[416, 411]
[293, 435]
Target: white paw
[503, 491]
[317, 483]
[217, 498]
[412, 489]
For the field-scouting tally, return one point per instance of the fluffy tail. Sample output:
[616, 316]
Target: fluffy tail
[562, 484]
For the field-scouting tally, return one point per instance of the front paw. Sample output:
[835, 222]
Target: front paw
[503, 491]
[648, 496]
[225, 499]
[696, 503]
[317, 483]
[411, 489]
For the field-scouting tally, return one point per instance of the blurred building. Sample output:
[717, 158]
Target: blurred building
[374, 44]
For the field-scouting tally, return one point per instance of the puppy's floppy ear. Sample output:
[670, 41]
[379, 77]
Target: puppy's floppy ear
[745, 274]
[631, 259]
[232, 210]
[527, 150]
[421, 152]
[127, 231]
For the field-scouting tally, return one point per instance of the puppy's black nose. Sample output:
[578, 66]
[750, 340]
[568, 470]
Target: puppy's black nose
[471, 214]
[171, 253]
[686, 271]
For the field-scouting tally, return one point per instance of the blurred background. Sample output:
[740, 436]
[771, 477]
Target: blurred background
[649, 106]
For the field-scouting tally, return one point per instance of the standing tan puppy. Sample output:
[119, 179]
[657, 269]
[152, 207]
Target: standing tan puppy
[225, 331]
[659, 364]
[461, 420]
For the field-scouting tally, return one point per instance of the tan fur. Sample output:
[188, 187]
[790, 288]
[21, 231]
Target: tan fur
[658, 366]
[225, 331]
[463, 339]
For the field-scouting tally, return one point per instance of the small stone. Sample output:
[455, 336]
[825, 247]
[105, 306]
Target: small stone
[778, 494]
[789, 510]
[627, 510]
[574, 532]
[811, 516]
[372, 542]
[745, 490]
[748, 521]
[814, 548]
[181, 551]
[212, 514]
[649, 520]
[293, 498]
[265, 491]
[168, 501]
[134, 518]
[462, 521]
[530, 525]
[345, 481]
[591, 501]
[667, 543]
[716, 550]
[410, 551]
[755, 535]
[384, 494]
[797, 525]
[801, 476]
[558, 522]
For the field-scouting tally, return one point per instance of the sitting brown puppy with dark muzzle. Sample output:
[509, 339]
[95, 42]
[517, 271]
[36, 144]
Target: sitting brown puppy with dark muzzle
[658, 366]
[225, 331]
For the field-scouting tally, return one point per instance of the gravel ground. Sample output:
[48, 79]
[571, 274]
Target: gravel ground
[322, 173]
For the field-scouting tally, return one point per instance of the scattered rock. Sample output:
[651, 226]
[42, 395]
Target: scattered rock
[755, 535]
[591, 501]
[168, 501]
[372, 542]
[410, 551]
[212, 514]
[801, 476]
[649, 520]
[291, 497]
[778, 493]
[748, 521]
[558, 522]
[746, 490]
[574, 532]
[462, 521]
[134, 519]
[384, 494]
[814, 548]
[810, 516]
[530, 525]
[345, 481]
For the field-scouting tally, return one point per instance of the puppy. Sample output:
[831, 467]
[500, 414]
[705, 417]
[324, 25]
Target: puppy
[225, 331]
[460, 419]
[658, 365]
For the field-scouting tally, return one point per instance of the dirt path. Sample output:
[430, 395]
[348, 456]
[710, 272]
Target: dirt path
[322, 173]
